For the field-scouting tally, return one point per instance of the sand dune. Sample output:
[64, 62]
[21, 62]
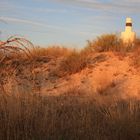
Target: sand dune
[106, 75]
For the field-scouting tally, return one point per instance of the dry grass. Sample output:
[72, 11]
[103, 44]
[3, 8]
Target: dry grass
[22, 49]
[31, 117]
[136, 58]
[52, 51]
[75, 62]
[106, 42]
[15, 45]
[109, 42]
[136, 54]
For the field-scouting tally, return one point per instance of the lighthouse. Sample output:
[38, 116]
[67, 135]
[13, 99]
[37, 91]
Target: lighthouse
[128, 36]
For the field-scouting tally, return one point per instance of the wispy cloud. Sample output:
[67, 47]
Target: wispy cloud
[17, 20]
[49, 10]
[30, 23]
[8, 6]
[124, 6]
[43, 25]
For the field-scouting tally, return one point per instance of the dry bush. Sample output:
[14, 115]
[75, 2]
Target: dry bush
[106, 42]
[136, 58]
[109, 42]
[15, 48]
[73, 63]
[136, 53]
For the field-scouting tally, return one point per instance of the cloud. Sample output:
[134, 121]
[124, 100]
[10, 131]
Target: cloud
[42, 25]
[17, 20]
[119, 6]
[30, 22]
[49, 10]
[9, 6]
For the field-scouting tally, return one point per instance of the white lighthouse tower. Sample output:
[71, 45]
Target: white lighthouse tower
[128, 36]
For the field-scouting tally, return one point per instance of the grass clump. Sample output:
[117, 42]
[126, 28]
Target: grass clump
[74, 62]
[106, 42]
[109, 42]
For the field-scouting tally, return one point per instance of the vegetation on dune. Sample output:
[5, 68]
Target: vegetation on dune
[73, 115]
[113, 43]
[15, 45]
[136, 54]
[109, 42]
[52, 51]
[74, 62]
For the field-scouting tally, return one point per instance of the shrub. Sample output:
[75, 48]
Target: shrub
[109, 42]
[74, 62]
[137, 43]
[106, 42]
[136, 53]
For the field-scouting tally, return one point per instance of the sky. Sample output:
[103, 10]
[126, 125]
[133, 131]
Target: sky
[66, 22]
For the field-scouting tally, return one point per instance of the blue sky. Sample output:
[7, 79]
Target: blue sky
[66, 22]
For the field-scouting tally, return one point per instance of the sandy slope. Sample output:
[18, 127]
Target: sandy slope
[107, 74]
